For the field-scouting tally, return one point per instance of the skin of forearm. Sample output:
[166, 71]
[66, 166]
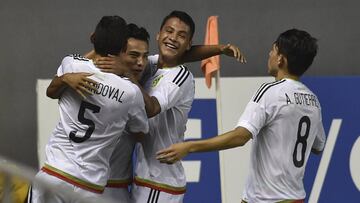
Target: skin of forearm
[56, 87]
[235, 138]
[152, 105]
[200, 52]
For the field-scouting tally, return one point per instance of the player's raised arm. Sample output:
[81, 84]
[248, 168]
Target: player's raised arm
[200, 52]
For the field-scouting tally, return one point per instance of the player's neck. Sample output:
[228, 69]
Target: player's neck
[95, 56]
[164, 62]
[282, 75]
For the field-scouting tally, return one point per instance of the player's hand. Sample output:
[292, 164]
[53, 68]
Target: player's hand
[233, 51]
[80, 83]
[111, 64]
[173, 153]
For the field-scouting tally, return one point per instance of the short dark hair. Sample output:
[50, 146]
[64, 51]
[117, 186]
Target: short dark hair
[184, 17]
[110, 35]
[136, 32]
[300, 49]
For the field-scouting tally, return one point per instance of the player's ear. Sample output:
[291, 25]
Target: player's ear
[189, 45]
[92, 38]
[282, 61]
[157, 36]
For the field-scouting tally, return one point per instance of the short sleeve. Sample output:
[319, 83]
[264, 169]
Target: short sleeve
[167, 95]
[319, 142]
[65, 67]
[171, 88]
[261, 109]
[73, 63]
[253, 118]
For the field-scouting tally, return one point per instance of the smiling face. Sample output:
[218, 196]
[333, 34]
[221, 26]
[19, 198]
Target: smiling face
[174, 39]
[135, 56]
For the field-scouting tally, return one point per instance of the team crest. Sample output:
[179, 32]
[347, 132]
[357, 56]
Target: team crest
[156, 80]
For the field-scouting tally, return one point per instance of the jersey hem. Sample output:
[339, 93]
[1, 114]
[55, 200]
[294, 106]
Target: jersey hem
[159, 186]
[118, 183]
[72, 179]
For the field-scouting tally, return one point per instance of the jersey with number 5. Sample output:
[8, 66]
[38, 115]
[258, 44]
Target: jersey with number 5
[85, 137]
[284, 118]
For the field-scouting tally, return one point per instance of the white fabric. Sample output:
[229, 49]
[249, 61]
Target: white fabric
[42, 195]
[174, 89]
[121, 195]
[276, 116]
[116, 103]
[150, 69]
[141, 194]
[121, 158]
[120, 162]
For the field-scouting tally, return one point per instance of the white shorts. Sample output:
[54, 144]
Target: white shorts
[117, 194]
[39, 194]
[140, 194]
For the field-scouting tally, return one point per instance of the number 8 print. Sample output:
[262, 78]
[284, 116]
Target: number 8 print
[302, 140]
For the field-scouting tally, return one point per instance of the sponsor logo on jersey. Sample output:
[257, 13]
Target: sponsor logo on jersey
[156, 80]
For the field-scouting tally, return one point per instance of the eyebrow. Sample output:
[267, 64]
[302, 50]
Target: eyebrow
[137, 52]
[181, 31]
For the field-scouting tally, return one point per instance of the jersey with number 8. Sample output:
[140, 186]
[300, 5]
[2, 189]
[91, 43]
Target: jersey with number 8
[284, 118]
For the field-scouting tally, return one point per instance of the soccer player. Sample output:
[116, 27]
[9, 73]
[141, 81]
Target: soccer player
[168, 98]
[171, 92]
[284, 120]
[79, 150]
[135, 57]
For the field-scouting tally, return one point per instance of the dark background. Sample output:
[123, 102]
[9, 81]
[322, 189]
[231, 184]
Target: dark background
[36, 35]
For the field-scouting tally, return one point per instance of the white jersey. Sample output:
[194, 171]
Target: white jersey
[120, 162]
[174, 89]
[284, 118]
[81, 144]
[150, 69]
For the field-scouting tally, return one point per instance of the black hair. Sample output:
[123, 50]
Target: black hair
[184, 17]
[300, 49]
[136, 32]
[109, 36]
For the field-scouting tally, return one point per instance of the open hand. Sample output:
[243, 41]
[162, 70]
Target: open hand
[233, 51]
[173, 153]
[111, 64]
[80, 83]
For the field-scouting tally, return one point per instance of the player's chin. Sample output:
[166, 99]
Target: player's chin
[169, 52]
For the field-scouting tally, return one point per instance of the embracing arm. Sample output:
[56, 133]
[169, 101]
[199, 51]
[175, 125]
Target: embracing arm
[56, 88]
[152, 105]
[231, 139]
[200, 52]
[77, 81]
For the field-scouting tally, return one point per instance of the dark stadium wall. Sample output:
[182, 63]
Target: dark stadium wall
[35, 35]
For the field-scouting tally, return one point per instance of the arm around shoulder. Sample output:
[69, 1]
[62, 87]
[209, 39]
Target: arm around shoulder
[55, 88]
[79, 82]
